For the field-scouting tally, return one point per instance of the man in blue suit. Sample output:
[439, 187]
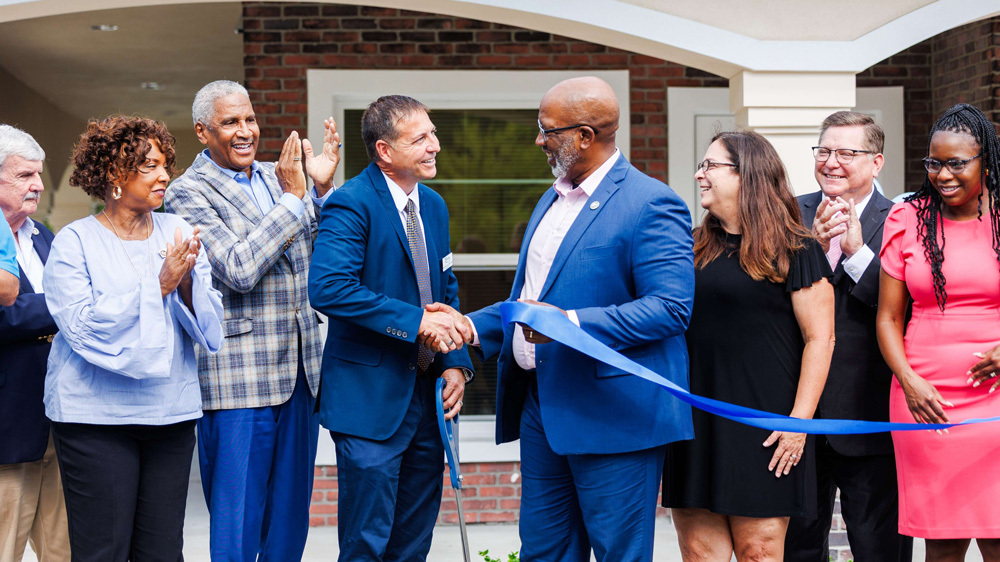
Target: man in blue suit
[31, 494]
[612, 248]
[381, 255]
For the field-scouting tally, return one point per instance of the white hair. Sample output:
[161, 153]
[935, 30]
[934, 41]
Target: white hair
[15, 142]
[203, 108]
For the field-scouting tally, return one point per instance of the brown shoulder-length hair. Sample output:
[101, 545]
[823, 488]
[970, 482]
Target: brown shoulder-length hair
[769, 217]
[112, 149]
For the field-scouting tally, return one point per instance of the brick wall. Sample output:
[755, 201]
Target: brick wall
[960, 65]
[281, 41]
[491, 493]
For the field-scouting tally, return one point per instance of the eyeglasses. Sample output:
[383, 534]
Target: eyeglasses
[546, 132]
[844, 155]
[706, 165]
[954, 166]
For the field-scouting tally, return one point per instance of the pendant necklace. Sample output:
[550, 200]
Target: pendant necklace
[149, 251]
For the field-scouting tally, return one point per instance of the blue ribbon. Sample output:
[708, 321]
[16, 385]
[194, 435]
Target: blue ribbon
[555, 325]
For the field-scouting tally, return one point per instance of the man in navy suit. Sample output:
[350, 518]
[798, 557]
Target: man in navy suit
[31, 493]
[381, 255]
[846, 216]
[612, 248]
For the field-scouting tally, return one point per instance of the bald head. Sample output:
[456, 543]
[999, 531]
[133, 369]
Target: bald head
[587, 100]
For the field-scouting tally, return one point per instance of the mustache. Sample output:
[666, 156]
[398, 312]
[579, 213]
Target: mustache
[33, 196]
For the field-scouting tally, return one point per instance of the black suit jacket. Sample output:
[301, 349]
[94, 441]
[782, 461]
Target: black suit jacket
[24, 352]
[858, 385]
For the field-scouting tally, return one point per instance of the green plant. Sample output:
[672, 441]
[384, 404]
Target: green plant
[512, 557]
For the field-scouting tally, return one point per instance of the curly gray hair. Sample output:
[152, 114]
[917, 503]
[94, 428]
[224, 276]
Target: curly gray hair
[203, 108]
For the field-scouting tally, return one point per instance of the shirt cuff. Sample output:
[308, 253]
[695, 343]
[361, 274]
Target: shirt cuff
[571, 314]
[856, 265]
[292, 203]
[320, 201]
[475, 334]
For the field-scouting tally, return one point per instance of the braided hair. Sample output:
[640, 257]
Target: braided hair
[960, 118]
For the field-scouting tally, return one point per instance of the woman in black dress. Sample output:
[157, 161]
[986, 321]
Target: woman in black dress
[761, 336]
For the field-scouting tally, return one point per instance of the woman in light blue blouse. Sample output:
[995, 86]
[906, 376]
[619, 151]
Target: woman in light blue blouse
[132, 295]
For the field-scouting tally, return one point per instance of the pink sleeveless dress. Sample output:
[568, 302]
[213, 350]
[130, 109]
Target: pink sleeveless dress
[948, 487]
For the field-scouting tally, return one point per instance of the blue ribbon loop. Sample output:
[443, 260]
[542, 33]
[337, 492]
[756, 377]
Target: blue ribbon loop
[549, 321]
[447, 430]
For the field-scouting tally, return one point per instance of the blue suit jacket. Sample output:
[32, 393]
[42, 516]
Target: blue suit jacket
[23, 357]
[362, 277]
[626, 267]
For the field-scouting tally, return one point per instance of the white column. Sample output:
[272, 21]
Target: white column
[787, 108]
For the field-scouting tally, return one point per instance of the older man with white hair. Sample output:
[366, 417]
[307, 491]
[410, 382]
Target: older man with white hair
[257, 439]
[31, 492]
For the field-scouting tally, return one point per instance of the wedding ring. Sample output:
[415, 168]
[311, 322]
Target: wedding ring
[460, 403]
[451, 344]
[296, 159]
[794, 457]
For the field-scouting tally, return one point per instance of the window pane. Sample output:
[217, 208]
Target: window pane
[490, 173]
[478, 289]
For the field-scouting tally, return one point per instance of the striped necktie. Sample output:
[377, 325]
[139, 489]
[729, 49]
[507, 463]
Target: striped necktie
[418, 251]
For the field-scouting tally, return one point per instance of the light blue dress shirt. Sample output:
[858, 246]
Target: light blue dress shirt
[258, 192]
[8, 252]
[123, 353]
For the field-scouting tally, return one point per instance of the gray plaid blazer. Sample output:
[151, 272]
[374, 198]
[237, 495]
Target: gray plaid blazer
[261, 266]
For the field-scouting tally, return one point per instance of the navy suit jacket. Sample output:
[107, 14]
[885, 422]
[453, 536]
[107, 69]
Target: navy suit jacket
[23, 358]
[626, 268]
[362, 277]
[858, 385]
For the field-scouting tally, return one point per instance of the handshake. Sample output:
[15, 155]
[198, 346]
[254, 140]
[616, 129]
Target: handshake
[443, 328]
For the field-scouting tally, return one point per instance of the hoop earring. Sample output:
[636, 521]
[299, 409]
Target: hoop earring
[116, 192]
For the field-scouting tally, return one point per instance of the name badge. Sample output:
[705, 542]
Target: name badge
[446, 262]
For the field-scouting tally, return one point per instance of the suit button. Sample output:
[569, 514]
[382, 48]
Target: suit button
[404, 334]
[388, 330]
[411, 367]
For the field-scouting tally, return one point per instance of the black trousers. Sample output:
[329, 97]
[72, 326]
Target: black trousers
[869, 502]
[126, 489]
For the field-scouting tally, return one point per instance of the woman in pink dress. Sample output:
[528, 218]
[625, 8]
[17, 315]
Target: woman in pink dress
[941, 249]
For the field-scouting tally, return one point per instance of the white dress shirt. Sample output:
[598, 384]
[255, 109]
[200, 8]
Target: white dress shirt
[27, 257]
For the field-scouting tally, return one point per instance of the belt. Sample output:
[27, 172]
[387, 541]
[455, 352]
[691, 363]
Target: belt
[47, 339]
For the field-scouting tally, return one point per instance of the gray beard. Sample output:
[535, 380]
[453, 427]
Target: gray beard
[564, 159]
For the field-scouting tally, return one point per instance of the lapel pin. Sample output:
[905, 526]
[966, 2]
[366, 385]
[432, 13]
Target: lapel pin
[595, 205]
[34, 232]
[163, 253]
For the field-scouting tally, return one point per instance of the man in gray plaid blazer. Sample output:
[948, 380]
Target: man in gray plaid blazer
[257, 439]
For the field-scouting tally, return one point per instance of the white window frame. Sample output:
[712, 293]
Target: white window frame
[331, 92]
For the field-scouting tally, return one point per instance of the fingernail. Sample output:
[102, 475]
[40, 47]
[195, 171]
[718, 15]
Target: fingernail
[975, 384]
[992, 388]
[968, 381]
[979, 354]
[938, 431]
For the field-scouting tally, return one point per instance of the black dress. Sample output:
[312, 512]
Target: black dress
[745, 348]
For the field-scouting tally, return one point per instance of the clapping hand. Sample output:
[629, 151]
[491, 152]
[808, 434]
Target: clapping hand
[322, 166]
[289, 167]
[443, 328]
[837, 217]
[175, 273]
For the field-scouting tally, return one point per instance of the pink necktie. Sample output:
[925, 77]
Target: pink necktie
[834, 253]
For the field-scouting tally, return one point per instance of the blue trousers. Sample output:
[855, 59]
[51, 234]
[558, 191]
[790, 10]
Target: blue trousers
[389, 492]
[257, 469]
[573, 503]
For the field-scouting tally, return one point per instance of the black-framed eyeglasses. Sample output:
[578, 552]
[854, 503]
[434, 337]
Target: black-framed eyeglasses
[546, 132]
[706, 165]
[844, 155]
[934, 166]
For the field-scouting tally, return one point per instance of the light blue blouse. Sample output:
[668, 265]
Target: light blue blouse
[123, 354]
